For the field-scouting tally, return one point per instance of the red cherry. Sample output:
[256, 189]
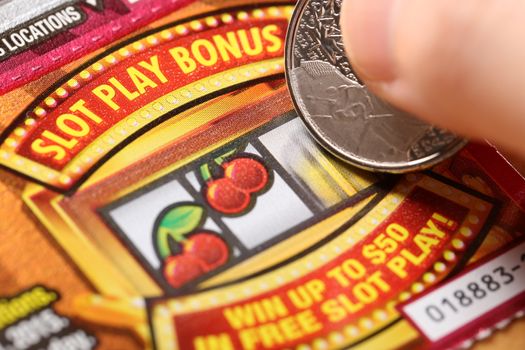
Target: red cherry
[247, 174]
[224, 197]
[209, 248]
[180, 269]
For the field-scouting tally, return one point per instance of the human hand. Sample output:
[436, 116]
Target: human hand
[457, 64]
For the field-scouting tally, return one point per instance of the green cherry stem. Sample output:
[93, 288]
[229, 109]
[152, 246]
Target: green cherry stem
[205, 172]
[163, 244]
[220, 160]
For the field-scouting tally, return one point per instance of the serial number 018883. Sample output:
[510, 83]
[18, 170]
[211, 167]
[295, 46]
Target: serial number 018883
[474, 291]
[469, 298]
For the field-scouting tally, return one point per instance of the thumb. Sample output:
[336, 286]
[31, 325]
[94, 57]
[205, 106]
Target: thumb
[457, 64]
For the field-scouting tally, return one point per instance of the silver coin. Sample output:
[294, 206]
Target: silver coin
[340, 112]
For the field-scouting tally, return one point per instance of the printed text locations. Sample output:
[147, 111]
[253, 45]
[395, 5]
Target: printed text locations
[39, 30]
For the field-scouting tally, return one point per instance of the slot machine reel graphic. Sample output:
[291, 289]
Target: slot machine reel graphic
[186, 249]
[312, 210]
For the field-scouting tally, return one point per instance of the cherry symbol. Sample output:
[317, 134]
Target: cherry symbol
[223, 196]
[246, 174]
[180, 269]
[207, 247]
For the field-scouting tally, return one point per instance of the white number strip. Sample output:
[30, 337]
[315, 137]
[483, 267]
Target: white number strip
[440, 313]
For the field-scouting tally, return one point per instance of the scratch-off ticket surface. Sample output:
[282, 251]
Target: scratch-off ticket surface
[162, 193]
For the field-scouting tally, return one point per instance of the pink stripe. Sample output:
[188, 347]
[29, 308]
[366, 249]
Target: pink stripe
[32, 67]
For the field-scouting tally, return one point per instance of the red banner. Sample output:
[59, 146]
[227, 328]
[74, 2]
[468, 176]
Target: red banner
[385, 263]
[143, 78]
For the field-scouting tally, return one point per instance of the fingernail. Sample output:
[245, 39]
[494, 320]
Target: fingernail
[367, 36]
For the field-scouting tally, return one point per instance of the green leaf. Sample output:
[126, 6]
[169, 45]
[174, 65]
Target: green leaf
[175, 224]
[182, 219]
